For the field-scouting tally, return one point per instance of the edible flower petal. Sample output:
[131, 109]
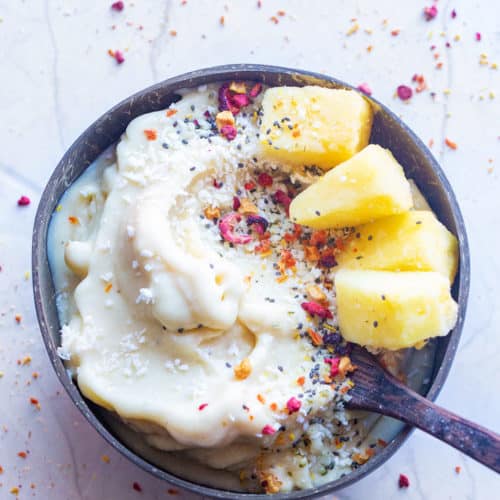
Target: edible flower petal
[365, 88]
[293, 405]
[283, 199]
[404, 92]
[226, 228]
[430, 12]
[265, 180]
[119, 57]
[240, 100]
[225, 100]
[23, 201]
[268, 430]
[255, 90]
[229, 132]
[118, 6]
[334, 366]
[403, 481]
[261, 223]
[315, 309]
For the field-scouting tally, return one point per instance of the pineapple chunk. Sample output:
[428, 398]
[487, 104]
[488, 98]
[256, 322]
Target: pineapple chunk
[392, 310]
[419, 201]
[313, 125]
[413, 241]
[369, 186]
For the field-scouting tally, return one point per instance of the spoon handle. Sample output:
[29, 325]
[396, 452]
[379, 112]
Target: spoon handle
[398, 401]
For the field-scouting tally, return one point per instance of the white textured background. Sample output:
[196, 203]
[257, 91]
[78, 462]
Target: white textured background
[56, 78]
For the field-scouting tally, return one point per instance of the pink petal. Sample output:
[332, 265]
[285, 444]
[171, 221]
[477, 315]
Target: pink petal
[404, 92]
[268, 430]
[23, 201]
[365, 89]
[293, 405]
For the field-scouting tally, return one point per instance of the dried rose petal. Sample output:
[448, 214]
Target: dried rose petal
[430, 12]
[119, 57]
[225, 102]
[202, 406]
[226, 228]
[23, 201]
[260, 223]
[478, 36]
[293, 405]
[118, 6]
[453, 14]
[315, 309]
[236, 203]
[224, 97]
[240, 100]
[265, 180]
[283, 199]
[404, 92]
[268, 430]
[229, 132]
[403, 481]
[365, 89]
[255, 90]
[334, 366]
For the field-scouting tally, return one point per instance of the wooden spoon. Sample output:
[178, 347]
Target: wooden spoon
[377, 391]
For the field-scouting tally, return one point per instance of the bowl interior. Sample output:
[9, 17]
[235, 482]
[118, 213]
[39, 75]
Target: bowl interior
[388, 131]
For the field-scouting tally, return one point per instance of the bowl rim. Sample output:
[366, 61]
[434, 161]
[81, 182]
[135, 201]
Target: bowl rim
[39, 258]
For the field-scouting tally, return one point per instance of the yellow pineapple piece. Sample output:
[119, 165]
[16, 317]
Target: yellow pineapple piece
[412, 241]
[313, 125]
[369, 186]
[393, 310]
[419, 201]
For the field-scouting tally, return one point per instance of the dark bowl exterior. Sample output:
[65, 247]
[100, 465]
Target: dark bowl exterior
[388, 131]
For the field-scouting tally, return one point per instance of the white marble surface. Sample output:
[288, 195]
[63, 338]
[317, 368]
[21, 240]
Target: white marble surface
[56, 78]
